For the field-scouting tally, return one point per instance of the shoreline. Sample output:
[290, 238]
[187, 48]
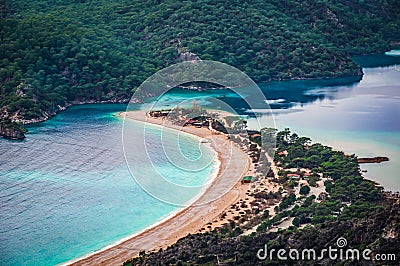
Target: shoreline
[159, 222]
[185, 220]
[359, 75]
[50, 114]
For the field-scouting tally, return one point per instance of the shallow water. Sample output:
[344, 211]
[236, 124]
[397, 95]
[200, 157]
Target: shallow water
[66, 191]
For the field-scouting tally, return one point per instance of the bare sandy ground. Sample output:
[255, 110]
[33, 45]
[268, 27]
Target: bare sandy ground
[234, 163]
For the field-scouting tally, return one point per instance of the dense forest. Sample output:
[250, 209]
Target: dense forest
[55, 52]
[353, 208]
[201, 249]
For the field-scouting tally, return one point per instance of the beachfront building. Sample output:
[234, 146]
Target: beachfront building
[247, 179]
[293, 176]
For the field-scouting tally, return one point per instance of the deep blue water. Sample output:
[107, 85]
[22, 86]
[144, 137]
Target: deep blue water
[66, 191]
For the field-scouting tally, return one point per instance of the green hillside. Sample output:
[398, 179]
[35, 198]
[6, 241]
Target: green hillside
[56, 52]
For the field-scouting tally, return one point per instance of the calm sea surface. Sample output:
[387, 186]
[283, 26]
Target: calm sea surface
[362, 118]
[66, 191]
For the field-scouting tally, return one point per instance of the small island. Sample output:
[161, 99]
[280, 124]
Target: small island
[378, 159]
[12, 130]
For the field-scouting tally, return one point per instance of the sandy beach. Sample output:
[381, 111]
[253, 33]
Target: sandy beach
[226, 188]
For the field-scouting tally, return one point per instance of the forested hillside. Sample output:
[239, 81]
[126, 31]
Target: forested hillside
[56, 52]
[201, 249]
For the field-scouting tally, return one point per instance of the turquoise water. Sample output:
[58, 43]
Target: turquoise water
[151, 151]
[66, 191]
